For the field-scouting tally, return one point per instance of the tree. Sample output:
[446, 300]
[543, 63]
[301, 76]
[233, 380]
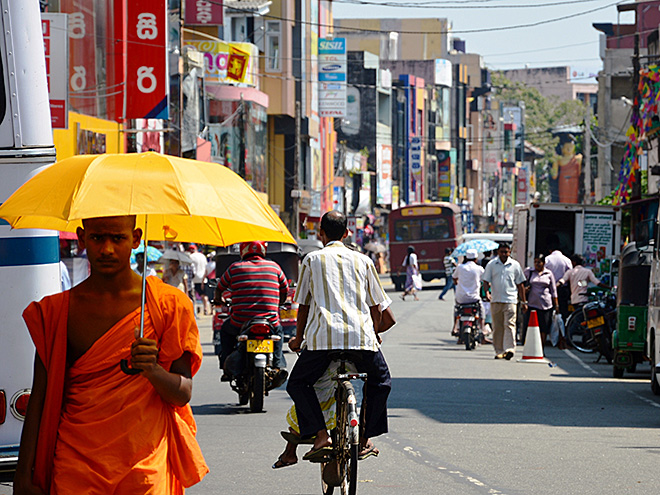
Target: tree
[542, 116]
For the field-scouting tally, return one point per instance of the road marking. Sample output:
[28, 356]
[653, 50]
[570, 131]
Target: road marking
[582, 363]
[644, 399]
[427, 459]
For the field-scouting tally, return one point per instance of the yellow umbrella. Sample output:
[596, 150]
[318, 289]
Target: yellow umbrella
[174, 198]
[185, 200]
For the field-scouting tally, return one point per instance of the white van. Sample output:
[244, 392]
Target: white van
[490, 236]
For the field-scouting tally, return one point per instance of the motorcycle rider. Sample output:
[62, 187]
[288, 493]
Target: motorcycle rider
[578, 279]
[258, 287]
[467, 278]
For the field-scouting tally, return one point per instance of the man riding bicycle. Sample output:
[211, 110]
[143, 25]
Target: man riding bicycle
[258, 287]
[341, 291]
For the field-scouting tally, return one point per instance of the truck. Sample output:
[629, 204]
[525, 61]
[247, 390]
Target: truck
[594, 231]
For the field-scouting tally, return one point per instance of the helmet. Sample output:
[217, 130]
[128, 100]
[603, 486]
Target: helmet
[252, 248]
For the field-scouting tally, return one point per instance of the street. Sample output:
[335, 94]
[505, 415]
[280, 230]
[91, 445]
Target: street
[460, 422]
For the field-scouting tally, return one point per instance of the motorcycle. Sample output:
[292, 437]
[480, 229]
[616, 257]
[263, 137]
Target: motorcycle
[469, 325]
[589, 328]
[250, 364]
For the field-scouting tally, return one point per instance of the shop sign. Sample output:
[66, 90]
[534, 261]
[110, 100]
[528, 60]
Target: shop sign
[332, 77]
[203, 13]
[56, 48]
[147, 80]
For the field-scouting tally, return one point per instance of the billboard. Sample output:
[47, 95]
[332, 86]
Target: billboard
[217, 59]
[384, 171]
[332, 77]
[54, 28]
[566, 171]
[147, 80]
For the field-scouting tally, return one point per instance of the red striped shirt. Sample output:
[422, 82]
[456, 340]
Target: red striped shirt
[255, 286]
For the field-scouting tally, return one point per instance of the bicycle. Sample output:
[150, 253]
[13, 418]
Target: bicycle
[339, 468]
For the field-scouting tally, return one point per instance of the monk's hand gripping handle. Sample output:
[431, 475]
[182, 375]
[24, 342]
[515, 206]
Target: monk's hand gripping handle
[123, 364]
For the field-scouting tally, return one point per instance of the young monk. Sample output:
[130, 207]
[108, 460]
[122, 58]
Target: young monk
[90, 428]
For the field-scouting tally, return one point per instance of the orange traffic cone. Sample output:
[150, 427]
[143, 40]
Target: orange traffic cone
[533, 350]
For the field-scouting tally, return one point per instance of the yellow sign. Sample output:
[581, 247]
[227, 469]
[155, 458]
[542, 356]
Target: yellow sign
[420, 211]
[228, 62]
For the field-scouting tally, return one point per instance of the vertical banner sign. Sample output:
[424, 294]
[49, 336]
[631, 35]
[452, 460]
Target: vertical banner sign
[147, 81]
[203, 12]
[523, 188]
[384, 165]
[416, 157]
[444, 175]
[82, 55]
[332, 77]
[56, 48]
[598, 235]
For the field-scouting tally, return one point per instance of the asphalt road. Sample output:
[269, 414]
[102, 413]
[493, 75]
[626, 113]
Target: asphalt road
[460, 423]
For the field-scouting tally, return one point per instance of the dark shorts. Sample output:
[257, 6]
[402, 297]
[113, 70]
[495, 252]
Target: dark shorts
[199, 289]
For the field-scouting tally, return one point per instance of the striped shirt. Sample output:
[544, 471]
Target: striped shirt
[255, 286]
[339, 286]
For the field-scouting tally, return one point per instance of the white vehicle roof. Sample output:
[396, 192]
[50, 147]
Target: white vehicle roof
[496, 237]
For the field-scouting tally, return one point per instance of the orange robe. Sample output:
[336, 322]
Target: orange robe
[103, 431]
[569, 181]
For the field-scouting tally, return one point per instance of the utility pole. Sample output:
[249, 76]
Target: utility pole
[241, 134]
[586, 144]
[637, 173]
[296, 177]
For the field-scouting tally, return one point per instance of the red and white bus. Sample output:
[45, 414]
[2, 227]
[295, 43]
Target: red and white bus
[429, 228]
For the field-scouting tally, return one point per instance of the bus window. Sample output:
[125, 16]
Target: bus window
[435, 228]
[408, 230]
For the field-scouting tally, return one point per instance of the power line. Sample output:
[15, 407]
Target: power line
[460, 5]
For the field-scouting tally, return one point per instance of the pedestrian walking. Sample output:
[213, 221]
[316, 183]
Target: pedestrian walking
[541, 297]
[558, 264]
[450, 266]
[413, 277]
[504, 277]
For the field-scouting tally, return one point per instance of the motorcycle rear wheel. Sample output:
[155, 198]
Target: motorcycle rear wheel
[258, 390]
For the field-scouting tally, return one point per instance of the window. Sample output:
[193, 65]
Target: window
[421, 229]
[273, 43]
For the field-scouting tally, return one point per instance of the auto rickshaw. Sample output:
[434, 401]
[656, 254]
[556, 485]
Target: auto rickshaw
[629, 337]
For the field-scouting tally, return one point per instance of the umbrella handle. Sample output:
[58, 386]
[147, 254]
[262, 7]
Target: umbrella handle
[123, 364]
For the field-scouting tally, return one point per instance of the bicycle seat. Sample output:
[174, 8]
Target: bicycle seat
[345, 355]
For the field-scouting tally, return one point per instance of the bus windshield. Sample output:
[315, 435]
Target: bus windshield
[421, 229]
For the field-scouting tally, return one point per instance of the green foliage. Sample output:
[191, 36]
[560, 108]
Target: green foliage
[542, 115]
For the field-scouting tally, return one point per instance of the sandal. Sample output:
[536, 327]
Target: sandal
[295, 439]
[368, 451]
[279, 463]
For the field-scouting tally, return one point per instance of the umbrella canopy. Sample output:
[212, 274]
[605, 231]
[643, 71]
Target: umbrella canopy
[185, 200]
[375, 247]
[153, 254]
[480, 245]
[173, 254]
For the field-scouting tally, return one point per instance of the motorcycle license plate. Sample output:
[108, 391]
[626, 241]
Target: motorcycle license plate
[423, 266]
[288, 314]
[468, 318]
[596, 322]
[260, 346]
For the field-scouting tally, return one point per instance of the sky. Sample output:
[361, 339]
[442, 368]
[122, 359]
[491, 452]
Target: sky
[568, 42]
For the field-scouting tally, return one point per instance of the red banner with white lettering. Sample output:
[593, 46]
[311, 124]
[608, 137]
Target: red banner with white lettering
[147, 82]
[203, 12]
[83, 89]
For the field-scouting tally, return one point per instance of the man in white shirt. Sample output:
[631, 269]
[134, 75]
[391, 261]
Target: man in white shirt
[579, 278]
[558, 264]
[467, 278]
[199, 270]
[505, 277]
[339, 295]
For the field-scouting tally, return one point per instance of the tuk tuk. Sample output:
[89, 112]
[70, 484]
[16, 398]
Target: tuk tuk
[629, 337]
